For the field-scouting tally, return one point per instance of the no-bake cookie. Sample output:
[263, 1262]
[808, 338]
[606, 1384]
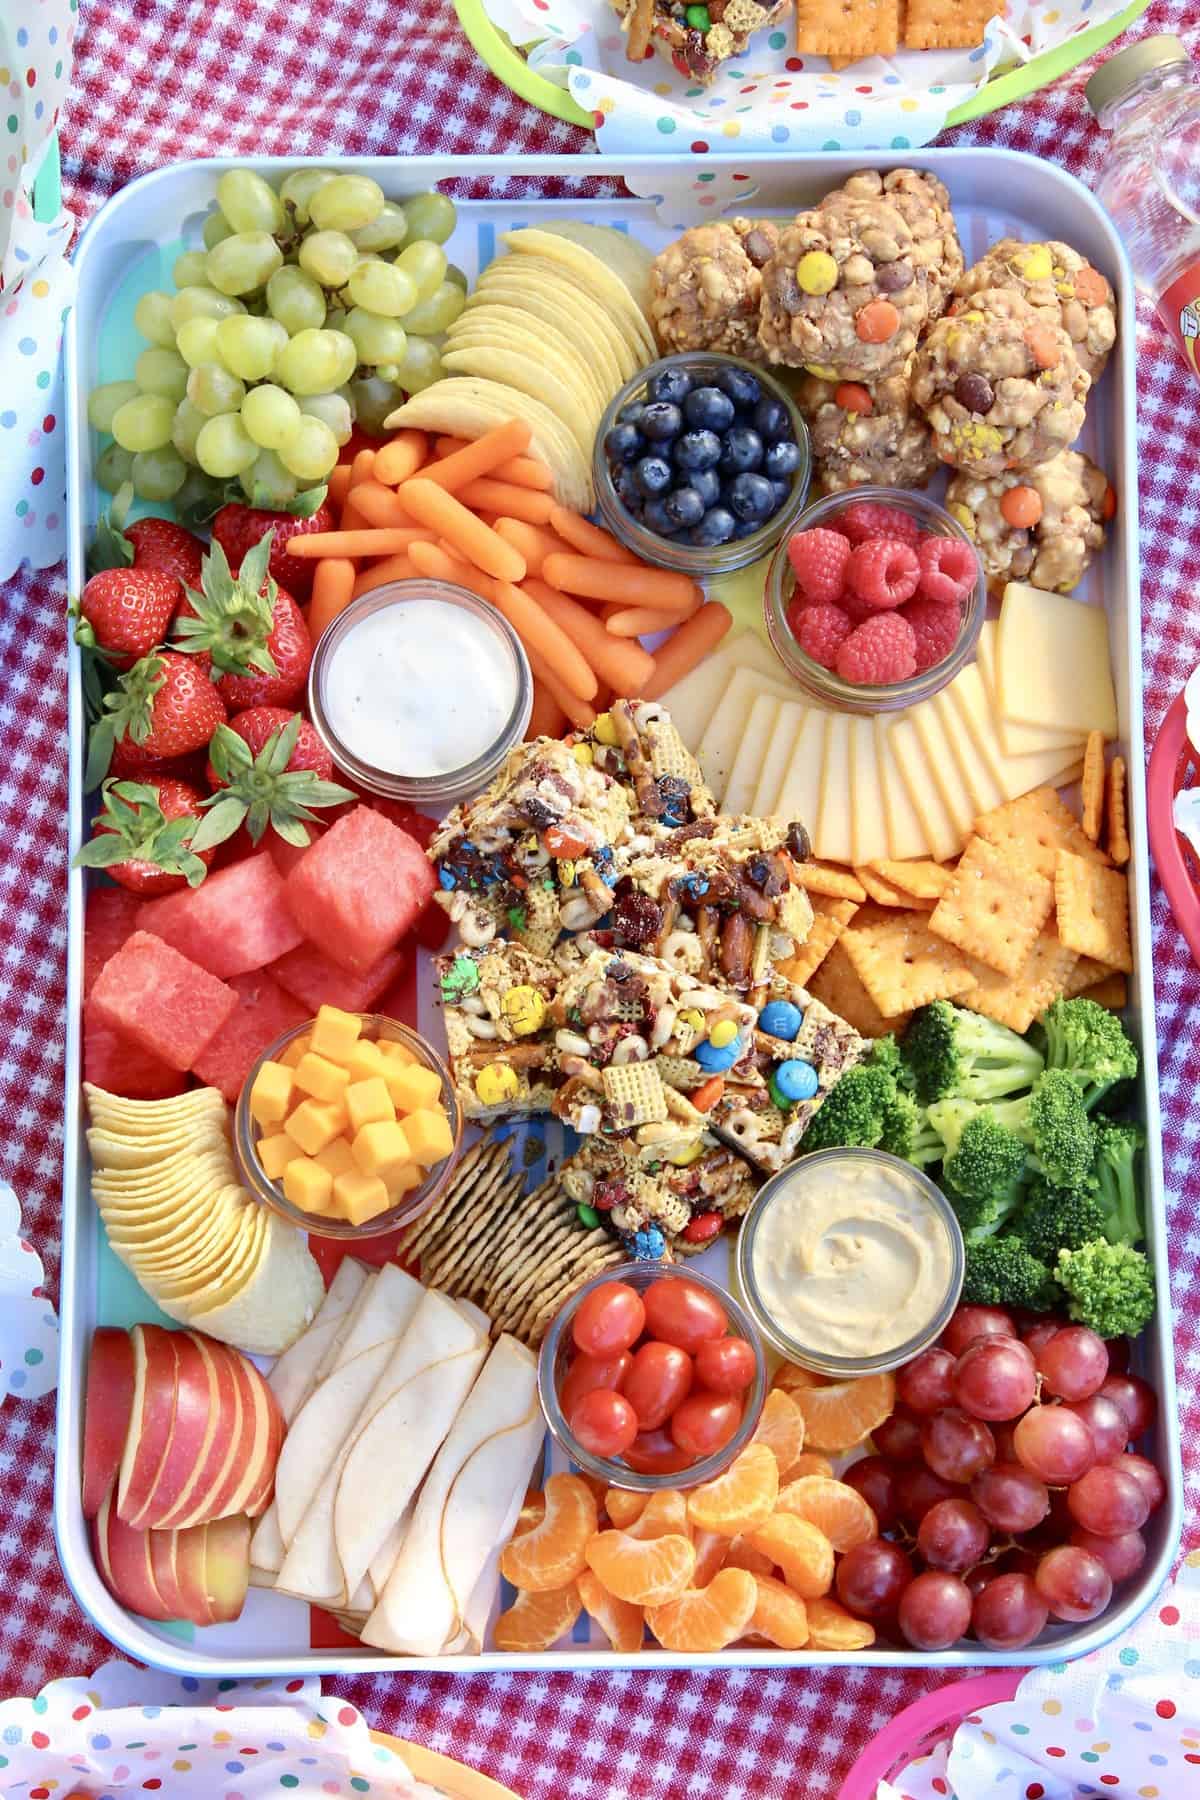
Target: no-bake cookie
[1042, 526]
[705, 287]
[1054, 278]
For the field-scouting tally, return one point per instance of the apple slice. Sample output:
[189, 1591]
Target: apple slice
[193, 1424]
[162, 1566]
[226, 1567]
[155, 1366]
[260, 1496]
[125, 1564]
[107, 1412]
[260, 1403]
[225, 1480]
[192, 1505]
[189, 1574]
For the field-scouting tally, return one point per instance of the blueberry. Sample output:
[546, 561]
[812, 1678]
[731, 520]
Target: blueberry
[742, 387]
[653, 475]
[750, 497]
[626, 488]
[782, 491]
[770, 420]
[708, 409]
[684, 507]
[656, 517]
[624, 443]
[782, 459]
[743, 449]
[671, 384]
[746, 528]
[716, 527]
[660, 421]
[697, 450]
[707, 484]
[631, 414]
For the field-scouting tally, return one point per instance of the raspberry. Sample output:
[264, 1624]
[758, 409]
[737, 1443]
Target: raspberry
[880, 652]
[819, 561]
[864, 519]
[883, 572]
[935, 626]
[949, 569]
[856, 609]
[820, 632]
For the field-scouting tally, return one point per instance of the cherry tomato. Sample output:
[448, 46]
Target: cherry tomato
[705, 1421]
[684, 1313]
[653, 1453]
[660, 1378]
[725, 1365]
[587, 1373]
[610, 1320]
[604, 1422]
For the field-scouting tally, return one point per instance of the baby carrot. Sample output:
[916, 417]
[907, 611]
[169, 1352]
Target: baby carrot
[661, 589]
[689, 646]
[440, 562]
[640, 621]
[587, 538]
[546, 639]
[526, 471]
[505, 497]
[389, 568]
[339, 483]
[625, 666]
[401, 457]
[332, 592]
[547, 718]
[534, 543]
[453, 472]
[363, 467]
[581, 713]
[378, 504]
[447, 517]
[371, 542]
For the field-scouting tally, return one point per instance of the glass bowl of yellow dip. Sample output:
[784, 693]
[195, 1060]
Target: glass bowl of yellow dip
[850, 1262]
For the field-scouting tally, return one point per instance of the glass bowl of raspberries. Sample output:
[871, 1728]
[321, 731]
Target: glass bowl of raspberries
[875, 599]
[701, 463]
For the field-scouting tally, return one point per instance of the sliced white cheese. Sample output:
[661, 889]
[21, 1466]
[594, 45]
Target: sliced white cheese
[869, 828]
[943, 770]
[833, 839]
[765, 800]
[1053, 766]
[693, 700]
[799, 797]
[1015, 740]
[943, 837]
[906, 834]
[1052, 662]
[748, 762]
[723, 734]
[978, 776]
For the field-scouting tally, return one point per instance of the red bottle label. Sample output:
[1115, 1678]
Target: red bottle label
[1179, 309]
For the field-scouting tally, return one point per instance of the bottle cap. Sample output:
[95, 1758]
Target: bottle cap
[1123, 71]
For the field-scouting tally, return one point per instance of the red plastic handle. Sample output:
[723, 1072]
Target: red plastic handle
[1166, 845]
[911, 1730]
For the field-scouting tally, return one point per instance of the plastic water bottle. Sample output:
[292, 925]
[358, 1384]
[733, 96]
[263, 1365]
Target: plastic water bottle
[1148, 97]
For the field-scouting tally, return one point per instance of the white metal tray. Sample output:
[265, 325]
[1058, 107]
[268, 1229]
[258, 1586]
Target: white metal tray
[129, 248]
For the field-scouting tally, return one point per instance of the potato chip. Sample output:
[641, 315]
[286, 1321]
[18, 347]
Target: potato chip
[541, 305]
[994, 907]
[592, 274]
[584, 311]
[529, 376]
[504, 325]
[903, 965]
[618, 250]
[276, 1297]
[463, 406]
[1093, 910]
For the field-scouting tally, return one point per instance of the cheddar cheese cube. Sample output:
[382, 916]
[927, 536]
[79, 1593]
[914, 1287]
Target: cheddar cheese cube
[429, 1135]
[307, 1185]
[395, 1052]
[337, 1157]
[296, 1050]
[320, 1078]
[271, 1093]
[364, 1060]
[381, 1147]
[367, 1102]
[314, 1124]
[412, 1086]
[402, 1180]
[275, 1153]
[359, 1197]
[335, 1032]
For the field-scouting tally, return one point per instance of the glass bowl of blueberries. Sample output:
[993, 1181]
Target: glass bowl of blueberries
[701, 463]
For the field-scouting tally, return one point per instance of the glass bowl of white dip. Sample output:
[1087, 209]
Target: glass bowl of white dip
[419, 690]
[850, 1262]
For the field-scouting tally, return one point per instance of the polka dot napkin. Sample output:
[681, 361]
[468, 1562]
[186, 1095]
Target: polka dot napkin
[28, 1322]
[769, 98]
[126, 1731]
[1123, 1722]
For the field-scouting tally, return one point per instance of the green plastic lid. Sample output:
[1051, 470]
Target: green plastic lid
[1121, 73]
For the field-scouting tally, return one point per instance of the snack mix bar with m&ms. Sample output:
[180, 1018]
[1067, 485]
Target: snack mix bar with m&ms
[529, 991]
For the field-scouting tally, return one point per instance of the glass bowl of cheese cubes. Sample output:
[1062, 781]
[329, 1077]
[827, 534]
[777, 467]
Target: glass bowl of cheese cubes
[348, 1125]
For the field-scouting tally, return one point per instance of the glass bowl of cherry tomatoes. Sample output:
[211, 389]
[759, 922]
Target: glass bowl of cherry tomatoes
[652, 1376]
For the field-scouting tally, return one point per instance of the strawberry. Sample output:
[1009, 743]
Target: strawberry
[238, 528]
[126, 612]
[163, 707]
[245, 630]
[267, 770]
[142, 836]
[161, 544]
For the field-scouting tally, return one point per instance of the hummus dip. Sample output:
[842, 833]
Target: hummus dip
[850, 1257]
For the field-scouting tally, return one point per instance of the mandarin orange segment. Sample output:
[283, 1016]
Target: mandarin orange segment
[535, 1621]
[831, 1627]
[803, 1552]
[833, 1507]
[781, 1428]
[841, 1415]
[740, 1555]
[790, 1377]
[623, 1506]
[665, 1515]
[645, 1571]
[623, 1624]
[740, 1498]
[532, 1512]
[706, 1618]
[780, 1615]
[809, 1463]
[712, 1551]
[551, 1553]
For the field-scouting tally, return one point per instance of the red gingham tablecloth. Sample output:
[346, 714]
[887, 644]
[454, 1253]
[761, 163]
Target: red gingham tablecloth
[159, 81]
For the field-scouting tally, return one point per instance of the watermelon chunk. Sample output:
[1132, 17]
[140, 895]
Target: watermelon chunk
[264, 1012]
[358, 890]
[307, 973]
[236, 921]
[162, 1000]
[109, 918]
[114, 1062]
[285, 856]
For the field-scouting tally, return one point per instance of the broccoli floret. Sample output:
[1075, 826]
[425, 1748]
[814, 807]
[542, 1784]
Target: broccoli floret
[954, 1053]
[907, 1132]
[1050, 1120]
[854, 1112]
[1117, 1148]
[1109, 1287]
[1001, 1272]
[885, 1054]
[1090, 1044]
[1054, 1219]
[988, 1161]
